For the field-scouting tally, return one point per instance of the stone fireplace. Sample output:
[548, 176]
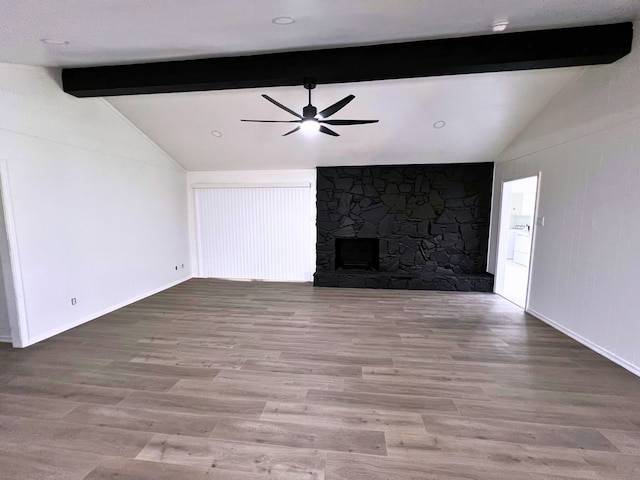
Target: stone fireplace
[410, 226]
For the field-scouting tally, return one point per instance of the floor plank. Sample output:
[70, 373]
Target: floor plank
[143, 420]
[432, 449]
[518, 432]
[614, 467]
[265, 391]
[291, 435]
[543, 412]
[303, 368]
[25, 461]
[214, 405]
[342, 417]
[402, 403]
[98, 378]
[625, 442]
[350, 467]
[81, 438]
[140, 470]
[34, 407]
[401, 387]
[39, 387]
[272, 461]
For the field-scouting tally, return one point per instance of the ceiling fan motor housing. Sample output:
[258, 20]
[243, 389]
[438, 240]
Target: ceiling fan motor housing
[309, 111]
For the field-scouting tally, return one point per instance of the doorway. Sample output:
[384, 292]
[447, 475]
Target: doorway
[517, 218]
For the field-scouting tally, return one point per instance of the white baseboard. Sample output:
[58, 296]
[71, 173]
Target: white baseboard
[93, 316]
[635, 369]
[5, 339]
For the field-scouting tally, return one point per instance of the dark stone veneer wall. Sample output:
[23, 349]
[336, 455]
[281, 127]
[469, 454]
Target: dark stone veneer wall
[432, 222]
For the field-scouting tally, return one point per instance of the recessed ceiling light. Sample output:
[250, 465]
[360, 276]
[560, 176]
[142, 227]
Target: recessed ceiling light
[54, 41]
[216, 133]
[283, 20]
[439, 124]
[499, 26]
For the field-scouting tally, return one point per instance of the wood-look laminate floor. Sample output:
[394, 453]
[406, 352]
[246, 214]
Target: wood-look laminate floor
[255, 381]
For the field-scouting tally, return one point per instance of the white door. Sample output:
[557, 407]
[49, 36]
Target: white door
[259, 233]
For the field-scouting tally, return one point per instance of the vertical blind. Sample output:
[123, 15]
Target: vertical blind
[261, 233]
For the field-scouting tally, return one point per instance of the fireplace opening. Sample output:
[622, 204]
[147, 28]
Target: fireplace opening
[357, 253]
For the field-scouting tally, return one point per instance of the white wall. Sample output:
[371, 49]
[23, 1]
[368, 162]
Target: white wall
[586, 267]
[98, 210]
[253, 178]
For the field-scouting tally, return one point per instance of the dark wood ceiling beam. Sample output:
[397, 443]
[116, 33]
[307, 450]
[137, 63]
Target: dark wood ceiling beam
[489, 53]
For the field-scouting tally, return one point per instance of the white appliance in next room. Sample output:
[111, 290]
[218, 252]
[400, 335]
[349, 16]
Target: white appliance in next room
[522, 248]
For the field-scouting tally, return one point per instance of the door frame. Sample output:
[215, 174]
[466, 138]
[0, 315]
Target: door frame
[11, 271]
[502, 245]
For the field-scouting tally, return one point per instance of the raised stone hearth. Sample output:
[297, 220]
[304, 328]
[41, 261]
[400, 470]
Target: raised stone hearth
[431, 222]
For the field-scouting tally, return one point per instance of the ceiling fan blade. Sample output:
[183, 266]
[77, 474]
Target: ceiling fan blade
[328, 131]
[273, 121]
[348, 122]
[293, 131]
[327, 112]
[286, 109]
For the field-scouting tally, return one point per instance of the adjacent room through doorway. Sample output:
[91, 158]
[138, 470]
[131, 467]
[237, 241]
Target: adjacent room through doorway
[516, 238]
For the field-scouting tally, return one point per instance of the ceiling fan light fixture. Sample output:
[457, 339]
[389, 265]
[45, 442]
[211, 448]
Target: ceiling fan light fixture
[310, 125]
[311, 120]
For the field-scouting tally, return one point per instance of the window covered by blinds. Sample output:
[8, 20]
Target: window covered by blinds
[261, 233]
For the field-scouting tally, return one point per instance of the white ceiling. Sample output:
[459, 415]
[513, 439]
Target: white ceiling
[118, 31]
[483, 112]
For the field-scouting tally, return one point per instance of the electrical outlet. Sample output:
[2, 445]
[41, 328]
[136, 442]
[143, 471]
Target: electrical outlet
[73, 301]
[540, 221]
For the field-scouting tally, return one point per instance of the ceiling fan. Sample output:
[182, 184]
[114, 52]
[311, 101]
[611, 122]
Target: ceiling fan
[311, 119]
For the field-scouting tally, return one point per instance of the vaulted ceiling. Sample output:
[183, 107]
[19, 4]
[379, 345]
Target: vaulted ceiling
[482, 112]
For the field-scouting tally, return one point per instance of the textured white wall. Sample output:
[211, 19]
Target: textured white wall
[99, 211]
[255, 178]
[586, 266]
